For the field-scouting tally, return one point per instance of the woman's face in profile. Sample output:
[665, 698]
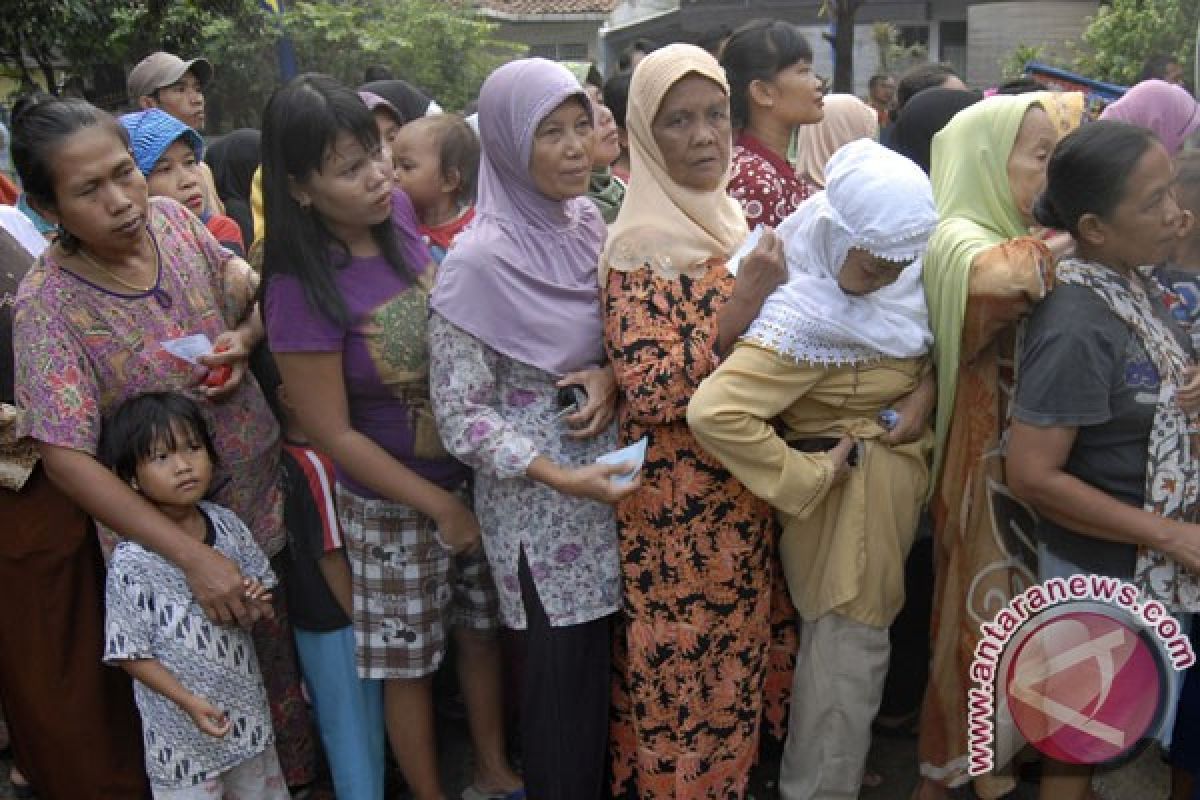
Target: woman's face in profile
[1027, 162]
[693, 133]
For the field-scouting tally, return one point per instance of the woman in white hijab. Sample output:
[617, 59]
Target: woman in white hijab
[832, 349]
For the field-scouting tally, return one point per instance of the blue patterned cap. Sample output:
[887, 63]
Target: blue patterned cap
[152, 131]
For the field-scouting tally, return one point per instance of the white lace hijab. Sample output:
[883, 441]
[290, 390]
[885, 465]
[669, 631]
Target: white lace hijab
[875, 200]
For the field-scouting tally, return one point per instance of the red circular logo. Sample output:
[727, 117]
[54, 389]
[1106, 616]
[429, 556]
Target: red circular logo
[1086, 687]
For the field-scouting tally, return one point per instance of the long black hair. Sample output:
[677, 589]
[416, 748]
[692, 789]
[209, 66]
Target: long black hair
[757, 51]
[39, 129]
[302, 121]
[1088, 172]
[143, 424]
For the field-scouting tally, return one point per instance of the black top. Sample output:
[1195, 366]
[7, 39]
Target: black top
[1083, 367]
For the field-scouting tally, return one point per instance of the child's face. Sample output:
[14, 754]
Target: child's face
[177, 175]
[419, 166]
[178, 476]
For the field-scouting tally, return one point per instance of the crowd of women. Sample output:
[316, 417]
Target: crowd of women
[852, 373]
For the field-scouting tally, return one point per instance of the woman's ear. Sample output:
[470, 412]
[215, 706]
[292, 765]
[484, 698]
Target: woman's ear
[298, 193]
[451, 180]
[1092, 230]
[762, 93]
[1187, 223]
[47, 212]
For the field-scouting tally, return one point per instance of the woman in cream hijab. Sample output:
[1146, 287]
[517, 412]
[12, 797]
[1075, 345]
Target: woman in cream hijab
[846, 119]
[694, 543]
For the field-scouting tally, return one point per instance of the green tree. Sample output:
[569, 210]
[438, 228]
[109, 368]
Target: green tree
[1124, 33]
[443, 46]
[237, 36]
[49, 32]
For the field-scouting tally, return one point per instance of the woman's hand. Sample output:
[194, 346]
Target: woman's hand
[840, 456]
[1189, 394]
[457, 527]
[762, 270]
[231, 354]
[600, 384]
[913, 412]
[218, 587]
[1183, 544]
[595, 482]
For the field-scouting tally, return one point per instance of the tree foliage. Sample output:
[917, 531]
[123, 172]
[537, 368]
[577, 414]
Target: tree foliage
[442, 46]
[237, 36]
[49, 31]
[1124, 33]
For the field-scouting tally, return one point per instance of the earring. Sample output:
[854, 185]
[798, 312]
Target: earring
[133, 484]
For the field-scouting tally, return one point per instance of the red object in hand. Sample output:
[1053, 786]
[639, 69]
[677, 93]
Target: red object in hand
[217, 375]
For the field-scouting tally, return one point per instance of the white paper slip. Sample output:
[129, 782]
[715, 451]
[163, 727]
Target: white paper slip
[634, 454]
[189, 348]
[751, 242]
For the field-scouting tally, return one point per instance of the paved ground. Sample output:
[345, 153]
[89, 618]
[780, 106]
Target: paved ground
[894, 759]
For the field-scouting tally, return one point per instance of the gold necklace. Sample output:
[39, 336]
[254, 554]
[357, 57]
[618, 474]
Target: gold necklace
[95, 263]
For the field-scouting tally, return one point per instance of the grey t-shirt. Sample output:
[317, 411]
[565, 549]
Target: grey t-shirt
[1083, 367]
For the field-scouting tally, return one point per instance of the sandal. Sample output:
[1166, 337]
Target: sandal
[475, 793]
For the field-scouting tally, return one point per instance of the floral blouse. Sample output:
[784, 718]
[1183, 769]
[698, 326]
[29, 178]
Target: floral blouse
[496, 415]
[81, 351]
[766, 186]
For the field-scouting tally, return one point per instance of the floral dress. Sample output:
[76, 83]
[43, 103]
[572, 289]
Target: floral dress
[695, 552]
[497, 414]
[83, 351]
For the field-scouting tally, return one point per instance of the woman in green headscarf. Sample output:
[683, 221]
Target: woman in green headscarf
[983, 273]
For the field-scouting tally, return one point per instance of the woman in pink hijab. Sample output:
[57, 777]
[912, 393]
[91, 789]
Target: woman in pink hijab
[1168, 110]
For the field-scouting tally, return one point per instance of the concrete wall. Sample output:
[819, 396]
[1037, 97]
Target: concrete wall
[995, 29]
[553, 33]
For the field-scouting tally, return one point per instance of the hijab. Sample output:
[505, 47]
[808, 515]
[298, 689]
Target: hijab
[977, 210]
[522, 277]
[408, 100]
[920, 120]
[670, 228]
[1168, 110]
[877, 201]
[846, 118]
[1067, 110]
[233, 159]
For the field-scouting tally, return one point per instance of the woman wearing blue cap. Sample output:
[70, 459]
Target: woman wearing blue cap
[169, 154]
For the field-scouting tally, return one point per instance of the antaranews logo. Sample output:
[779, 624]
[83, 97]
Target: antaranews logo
[1083, 665]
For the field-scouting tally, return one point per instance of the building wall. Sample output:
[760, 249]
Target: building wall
[563, 36]
[994, 30]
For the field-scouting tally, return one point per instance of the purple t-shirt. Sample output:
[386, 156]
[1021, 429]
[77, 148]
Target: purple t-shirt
[385, 355]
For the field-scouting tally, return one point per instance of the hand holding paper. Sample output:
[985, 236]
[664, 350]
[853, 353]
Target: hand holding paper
[633, 456]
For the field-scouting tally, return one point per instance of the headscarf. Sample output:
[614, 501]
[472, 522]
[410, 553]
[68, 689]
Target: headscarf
[1067, 110]
[522, 277]
[409, 101]
[607, 191]
[926, 114]
[233, 159]
[846, 118]
[1168, 110]
[977, 210]
[877, 201]
[670, 228]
